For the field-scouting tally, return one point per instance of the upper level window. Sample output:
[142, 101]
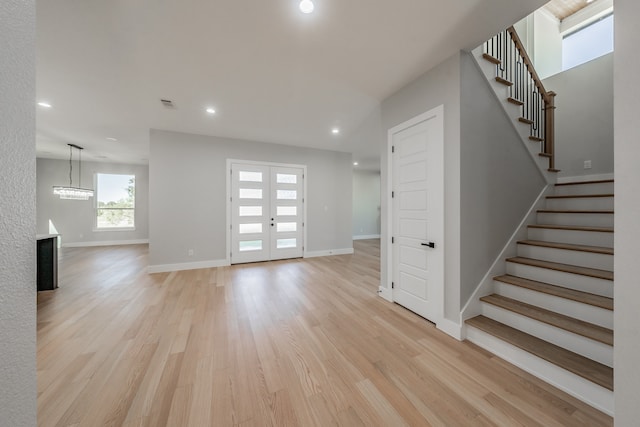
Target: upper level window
[115, 195]
[587, 43]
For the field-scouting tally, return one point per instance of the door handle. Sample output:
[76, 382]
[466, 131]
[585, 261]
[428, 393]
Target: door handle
[430, 244]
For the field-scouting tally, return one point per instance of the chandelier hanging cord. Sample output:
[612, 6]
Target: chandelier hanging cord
[70, 165]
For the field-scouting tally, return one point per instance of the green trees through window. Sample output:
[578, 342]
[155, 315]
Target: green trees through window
[115, 201]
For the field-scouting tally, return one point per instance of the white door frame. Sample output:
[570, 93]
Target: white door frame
[437, 114]
[229, 192]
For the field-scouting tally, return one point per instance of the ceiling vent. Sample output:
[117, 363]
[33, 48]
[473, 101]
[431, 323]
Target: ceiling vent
[167, 103]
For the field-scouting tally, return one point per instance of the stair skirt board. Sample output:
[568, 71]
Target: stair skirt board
[587, 347]
[592, 285]
[581, 203]
[579, 219]
[566, 256]
[574, 237]
[578, 310]
[591, 188]
[578, 387]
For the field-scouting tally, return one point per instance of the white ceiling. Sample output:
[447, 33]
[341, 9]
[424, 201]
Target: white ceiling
[272, 73]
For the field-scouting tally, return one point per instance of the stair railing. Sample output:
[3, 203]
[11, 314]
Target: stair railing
[515, 69]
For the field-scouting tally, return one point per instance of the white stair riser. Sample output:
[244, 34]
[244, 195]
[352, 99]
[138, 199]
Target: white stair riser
[580, 219]
[579, 282]
[574, 237]
[570, 190]
[581, 203]
[590, 393]
[588, 313]
[586, 347]
[563, 256]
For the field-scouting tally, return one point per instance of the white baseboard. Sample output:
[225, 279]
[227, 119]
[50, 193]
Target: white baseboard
[105, 243]
[314, 254]
[366, 236]
[163, 268]
[385, 293]
[450, 328]
[583, 178]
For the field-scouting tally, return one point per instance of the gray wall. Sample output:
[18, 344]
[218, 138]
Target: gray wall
[499, 180]
[188, 209]
[17, 213]
[584, 117]
[75, 219]
[439, 86]
[366, 203]
[627, 208]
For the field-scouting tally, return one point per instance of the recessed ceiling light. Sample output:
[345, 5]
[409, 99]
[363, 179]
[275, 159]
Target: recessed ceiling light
[355, 163]
[211, 110]
[44, 104]
[335, 131]
[111, 139]
[306, 6]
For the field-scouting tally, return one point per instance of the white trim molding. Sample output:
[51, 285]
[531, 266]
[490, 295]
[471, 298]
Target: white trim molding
[385, 293]
[451, 328]
[329, 252]
[366, 236]
[584, 178]
[105, 243]
[163, 268]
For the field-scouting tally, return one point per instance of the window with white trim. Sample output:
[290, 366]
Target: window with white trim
[115, 201]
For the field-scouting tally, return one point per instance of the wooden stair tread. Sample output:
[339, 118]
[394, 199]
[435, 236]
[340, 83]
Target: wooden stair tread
[525, 120]
[536, 139]
[573, 228]
[568, 246]
[586, 368]
[599, 181]
[504, 81]
[567, 268]
[544, 155]
[558, 291]
[570, 324]
[515, 101]
[570, 211]
[553, 170]
[491, 59]
[579, 196]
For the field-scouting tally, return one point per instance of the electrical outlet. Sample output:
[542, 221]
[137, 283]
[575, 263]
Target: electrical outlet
[190, 252]
[587, 164]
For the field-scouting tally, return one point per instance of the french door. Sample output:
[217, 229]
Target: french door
[266, 212]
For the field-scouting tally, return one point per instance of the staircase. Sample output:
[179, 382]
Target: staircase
[552, 312]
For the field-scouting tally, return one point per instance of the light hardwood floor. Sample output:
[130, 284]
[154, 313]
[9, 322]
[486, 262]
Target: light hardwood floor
[300, 343]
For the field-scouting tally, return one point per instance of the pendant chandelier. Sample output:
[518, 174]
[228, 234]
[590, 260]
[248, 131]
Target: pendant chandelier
[71, 192]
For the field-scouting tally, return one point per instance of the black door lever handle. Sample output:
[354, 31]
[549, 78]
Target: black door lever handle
[430, 244]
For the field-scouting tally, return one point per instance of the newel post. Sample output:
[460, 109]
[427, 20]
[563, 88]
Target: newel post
[549, 128]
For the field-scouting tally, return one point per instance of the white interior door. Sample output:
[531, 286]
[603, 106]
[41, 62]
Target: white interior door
[266, 212]
[418, 187]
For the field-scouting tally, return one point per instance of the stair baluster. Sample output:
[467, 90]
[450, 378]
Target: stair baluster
[514, 66]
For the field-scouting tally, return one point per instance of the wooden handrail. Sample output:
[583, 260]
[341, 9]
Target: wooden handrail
[514, 68]
[527, 61]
